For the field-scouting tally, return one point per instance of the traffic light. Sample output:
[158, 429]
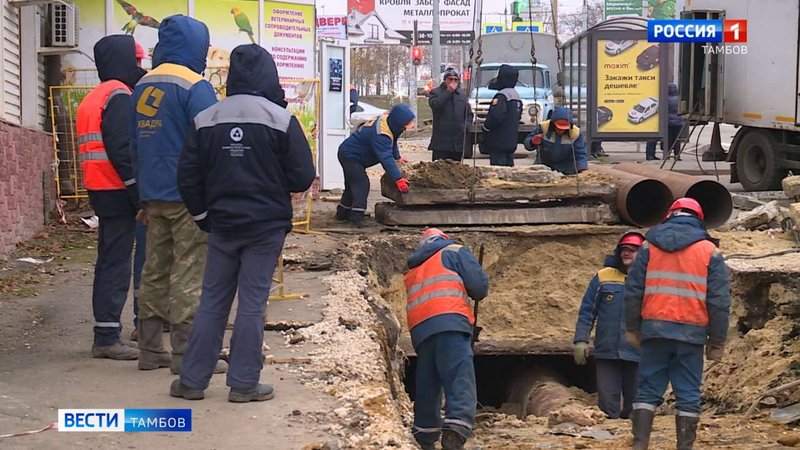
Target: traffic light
[519, 7]
[416, 55]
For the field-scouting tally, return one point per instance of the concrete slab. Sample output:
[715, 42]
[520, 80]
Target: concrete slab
[424, 196]
[390, 214]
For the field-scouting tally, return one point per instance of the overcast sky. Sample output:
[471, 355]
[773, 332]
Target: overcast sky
[339, 7]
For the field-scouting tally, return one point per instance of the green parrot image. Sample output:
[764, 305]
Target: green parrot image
[662, 9]
[137, 18]
[243, 22]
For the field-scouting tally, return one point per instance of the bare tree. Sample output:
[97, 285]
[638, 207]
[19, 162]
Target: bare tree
[571, 25]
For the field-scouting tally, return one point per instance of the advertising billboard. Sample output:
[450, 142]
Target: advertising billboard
[628, 86]
[455, 18]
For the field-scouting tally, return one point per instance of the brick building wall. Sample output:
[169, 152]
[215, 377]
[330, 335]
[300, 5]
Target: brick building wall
[26, 156]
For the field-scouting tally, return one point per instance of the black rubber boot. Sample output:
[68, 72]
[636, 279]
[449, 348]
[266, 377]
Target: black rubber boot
[686, 431]
[451, 440]
[642, 425]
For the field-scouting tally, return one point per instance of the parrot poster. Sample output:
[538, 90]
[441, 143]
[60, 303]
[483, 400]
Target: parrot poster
[243, 22]
[137, 18]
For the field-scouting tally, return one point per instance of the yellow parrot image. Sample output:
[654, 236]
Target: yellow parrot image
[243, 22]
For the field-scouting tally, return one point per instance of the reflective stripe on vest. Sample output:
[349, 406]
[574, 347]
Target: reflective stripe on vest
[676, 284]
[98, 172]
[433, 289]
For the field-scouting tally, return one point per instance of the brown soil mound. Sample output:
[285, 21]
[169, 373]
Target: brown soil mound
[442, 174]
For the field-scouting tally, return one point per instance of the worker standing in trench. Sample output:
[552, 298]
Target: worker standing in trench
[677, 300]
[441, 277]
[560, 145]
[617, 362]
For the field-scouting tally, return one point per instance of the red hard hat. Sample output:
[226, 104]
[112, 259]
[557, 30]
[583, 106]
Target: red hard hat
[632, 238]
[689, 204]
[140, 55]
[434, 232]
[561, 124]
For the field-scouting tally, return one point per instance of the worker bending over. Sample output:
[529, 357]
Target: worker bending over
[559, 143]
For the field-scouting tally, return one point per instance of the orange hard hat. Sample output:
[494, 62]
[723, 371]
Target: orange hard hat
[632, 238]
[140, 54]
[434, 232]
[561, 124]
[686, 203]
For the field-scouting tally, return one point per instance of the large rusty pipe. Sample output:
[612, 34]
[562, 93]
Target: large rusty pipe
[539, 391]
[641, 201]
[713, 197]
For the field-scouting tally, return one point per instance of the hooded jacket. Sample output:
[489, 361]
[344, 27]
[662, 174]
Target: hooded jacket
[556, 150]
[451, 116]
[376, 141]
[246, 154]
[676, 234]
[502, 120]
[603, 306]
[476, 282]
[672, 106]
[115, 58]
[165, 102]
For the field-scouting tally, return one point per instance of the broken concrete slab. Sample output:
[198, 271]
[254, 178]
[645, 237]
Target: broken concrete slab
[424, 196]
[390, 214]
[794, 214]
[536, 174]
[745, 202]
[761, 215]
[791, 186]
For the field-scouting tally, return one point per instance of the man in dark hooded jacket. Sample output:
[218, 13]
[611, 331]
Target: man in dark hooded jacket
[165, 102]
[502, 121]
[103, 126]
[561, 145]
[616, 361]
[451, 115]
[677, 300]
[374, 142]
[674, 127]
[441, 276]
[243, 158]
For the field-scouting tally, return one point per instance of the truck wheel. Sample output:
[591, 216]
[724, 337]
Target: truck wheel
[757, 162]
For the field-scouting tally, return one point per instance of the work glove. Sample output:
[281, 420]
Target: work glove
[204, 225]
[634, 338]
[536, 139]
[714, 351]
[402, 185]
[580, 352]
[402, 160]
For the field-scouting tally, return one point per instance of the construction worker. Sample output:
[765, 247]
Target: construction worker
[441, 277]
[451, 114]
[165, 102]
[502, 120]
[374, 142]
[616, 361]
[677, 299]
[559, 143]
[239, 172]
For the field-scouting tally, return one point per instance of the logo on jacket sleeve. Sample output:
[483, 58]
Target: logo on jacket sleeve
[236, 134]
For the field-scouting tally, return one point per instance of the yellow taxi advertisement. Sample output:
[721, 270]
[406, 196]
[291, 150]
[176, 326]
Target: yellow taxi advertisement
[627, 86]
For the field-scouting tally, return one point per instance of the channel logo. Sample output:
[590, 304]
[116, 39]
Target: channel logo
[125, 420]
[702, 31]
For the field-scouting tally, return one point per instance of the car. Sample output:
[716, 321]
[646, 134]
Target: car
[643, 110]
[604, 115]
[614, 48]
[648, 58]
[364, 113]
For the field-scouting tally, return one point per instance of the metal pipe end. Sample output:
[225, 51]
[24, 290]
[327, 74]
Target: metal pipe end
[646, 202]
[715, 200]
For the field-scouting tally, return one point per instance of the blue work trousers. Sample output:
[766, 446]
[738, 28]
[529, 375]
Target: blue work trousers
[616, 386]
[112, 273]
[444, 361]
[233, 263]
[668, 361]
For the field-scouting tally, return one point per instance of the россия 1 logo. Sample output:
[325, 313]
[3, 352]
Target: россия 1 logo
[730, 33]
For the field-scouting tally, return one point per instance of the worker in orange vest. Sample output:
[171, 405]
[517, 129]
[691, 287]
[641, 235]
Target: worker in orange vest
[677, 300]
[103, 127]
[442, 276]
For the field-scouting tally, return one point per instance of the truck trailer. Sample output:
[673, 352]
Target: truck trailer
[752, 85]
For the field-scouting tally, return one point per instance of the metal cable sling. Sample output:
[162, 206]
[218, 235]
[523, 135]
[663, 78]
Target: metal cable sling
[473, 78]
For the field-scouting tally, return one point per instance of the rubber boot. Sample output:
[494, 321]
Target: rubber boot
[642, 425]
[151, 345]
[451, 440]
[686, 431]
[179, 339]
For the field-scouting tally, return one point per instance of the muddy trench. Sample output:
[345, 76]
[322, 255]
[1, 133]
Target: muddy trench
[524, 363]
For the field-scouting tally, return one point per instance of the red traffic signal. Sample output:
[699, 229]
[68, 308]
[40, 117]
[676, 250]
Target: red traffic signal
[416, 55]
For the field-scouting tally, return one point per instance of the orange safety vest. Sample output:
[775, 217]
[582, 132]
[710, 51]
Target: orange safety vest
[98, 173]
[676, 284]
[433, 289]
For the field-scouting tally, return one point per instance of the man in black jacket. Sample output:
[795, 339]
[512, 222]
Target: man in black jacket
[502, 121]
[451, 115]
[243, 158]
[103, 126]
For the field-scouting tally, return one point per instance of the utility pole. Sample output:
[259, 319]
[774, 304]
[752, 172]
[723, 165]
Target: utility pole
[554, 7]
[585, 15]
[436, 51]
[412, 91]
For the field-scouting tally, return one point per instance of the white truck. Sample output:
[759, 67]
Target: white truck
[537, 82]
[752, 85]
